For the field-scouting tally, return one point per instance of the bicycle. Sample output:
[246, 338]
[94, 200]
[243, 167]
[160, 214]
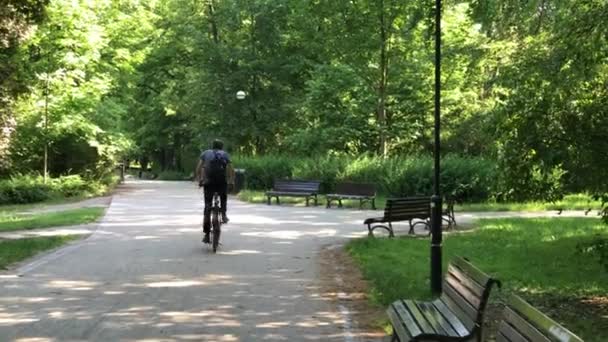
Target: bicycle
[216, 222]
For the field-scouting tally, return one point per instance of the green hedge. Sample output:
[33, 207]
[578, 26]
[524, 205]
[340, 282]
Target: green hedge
[470, 179]
[31, 189]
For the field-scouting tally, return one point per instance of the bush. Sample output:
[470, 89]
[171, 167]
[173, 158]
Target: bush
[31, 189]
[468, 179]
[24, 189]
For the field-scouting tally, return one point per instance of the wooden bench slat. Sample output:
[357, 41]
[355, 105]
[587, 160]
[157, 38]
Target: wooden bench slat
[425, 326]
[436, 319]
[524, 327]
[463, 291]
[457, 324]
[403, 317]
[517, 308]
[456, 299]
[358, 189]
[506, 333]
[471, 270]
[465, 318]
[464, 278]
[457, 315]
[285, 193]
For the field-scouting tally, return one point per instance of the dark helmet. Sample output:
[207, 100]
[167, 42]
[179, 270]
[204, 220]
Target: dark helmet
[217, 144]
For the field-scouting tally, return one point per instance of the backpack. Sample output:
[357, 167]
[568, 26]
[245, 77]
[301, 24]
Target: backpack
[216, 170]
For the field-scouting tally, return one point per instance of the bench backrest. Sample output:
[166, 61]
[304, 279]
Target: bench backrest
[408, 207]
[523, 322]
[466, 290]
[297, 186]
[357, 189]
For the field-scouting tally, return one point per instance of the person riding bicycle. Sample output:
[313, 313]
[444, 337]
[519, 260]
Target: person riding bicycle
[215, 172]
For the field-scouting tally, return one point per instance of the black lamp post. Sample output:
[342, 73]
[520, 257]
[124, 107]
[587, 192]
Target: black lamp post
[436, 205]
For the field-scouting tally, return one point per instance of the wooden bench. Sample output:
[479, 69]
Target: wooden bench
[523, 322]
[294, 188]
[457, 315]
[402, 209]
[361, 191]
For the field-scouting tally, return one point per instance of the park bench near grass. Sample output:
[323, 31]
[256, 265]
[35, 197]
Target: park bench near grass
[294, 188]
[521, 322]
[402, 209]
[457, 315]
[346, 190]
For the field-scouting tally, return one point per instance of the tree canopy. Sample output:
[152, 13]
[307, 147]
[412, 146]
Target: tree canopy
[525, 83]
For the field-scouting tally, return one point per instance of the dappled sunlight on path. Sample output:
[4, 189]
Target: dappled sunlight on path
[145, 276]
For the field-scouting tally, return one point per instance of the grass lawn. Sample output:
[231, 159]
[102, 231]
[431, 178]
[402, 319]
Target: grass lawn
[52, 201]
[570, 202]
[11, 222]
[535, 258]
[12, 251]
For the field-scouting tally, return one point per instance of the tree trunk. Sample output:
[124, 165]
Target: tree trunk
[381, 111]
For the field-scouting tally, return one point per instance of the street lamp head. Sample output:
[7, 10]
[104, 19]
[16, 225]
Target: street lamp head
[240, 95]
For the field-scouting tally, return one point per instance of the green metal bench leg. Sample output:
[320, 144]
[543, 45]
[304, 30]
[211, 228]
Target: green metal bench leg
[339, 203]
[373, 203]
[278, 202]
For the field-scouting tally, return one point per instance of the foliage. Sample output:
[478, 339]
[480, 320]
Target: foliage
[536, 258]
[468, 179]
[523, 84]
[32, 189]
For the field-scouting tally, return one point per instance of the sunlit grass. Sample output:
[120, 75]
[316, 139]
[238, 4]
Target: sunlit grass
[570, 202]
[11, 222]
[536, 258]
[12, 251]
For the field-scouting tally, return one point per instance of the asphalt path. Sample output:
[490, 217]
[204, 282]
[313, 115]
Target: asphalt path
[144, 275]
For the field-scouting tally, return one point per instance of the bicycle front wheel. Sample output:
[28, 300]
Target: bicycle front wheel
[215, 226]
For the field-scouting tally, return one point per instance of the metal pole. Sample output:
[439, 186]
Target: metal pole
[46, 120]
[436, 205]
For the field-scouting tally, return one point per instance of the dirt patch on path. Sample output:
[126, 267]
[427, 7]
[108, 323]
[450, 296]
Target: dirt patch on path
[341, 282]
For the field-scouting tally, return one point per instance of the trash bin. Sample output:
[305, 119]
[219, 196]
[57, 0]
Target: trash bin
[239, 180]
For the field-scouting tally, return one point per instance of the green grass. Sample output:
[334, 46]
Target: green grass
[570, 202]
[12, 222]
[535, 258]
[12, 251]
[52, 201]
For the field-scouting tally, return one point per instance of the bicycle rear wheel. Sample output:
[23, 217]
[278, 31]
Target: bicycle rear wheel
[215, 226]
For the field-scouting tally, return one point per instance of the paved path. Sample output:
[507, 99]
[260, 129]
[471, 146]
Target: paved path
[144, 275]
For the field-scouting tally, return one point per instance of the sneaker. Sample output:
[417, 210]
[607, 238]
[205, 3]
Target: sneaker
[224, 218]
[206, 238]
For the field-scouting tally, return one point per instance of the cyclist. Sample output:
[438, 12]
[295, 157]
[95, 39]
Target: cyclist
[215, 172]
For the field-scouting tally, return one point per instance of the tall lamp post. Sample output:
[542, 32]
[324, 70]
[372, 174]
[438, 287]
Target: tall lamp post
[436, 205]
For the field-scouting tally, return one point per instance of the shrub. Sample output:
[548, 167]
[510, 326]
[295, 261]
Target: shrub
[22, 189]
[468, 179]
